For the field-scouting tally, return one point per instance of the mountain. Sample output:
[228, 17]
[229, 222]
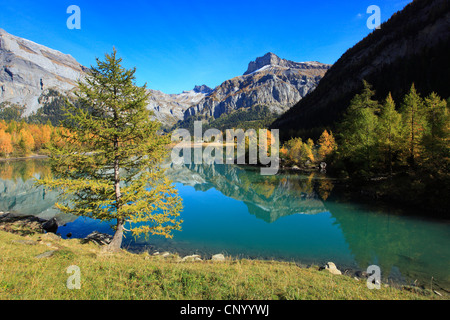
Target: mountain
[170, 108]
[28, 69]
[33, 75]
[412, 46]
[269, 80]
[30, 73]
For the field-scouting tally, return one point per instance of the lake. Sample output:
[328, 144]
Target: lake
[291, 217]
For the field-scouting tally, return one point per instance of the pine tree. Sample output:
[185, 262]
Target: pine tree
[365, 99]
[107, 167]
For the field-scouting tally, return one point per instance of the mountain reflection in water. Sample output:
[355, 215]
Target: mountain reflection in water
[267, 197]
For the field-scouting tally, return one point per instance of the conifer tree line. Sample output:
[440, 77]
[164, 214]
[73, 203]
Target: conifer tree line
[382, 138]
[377, 138]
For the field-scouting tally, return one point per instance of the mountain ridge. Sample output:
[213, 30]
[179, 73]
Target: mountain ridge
[271, 59]
[411, 47]
[31, 70]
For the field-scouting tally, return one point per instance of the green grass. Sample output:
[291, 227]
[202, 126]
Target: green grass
[127, 276]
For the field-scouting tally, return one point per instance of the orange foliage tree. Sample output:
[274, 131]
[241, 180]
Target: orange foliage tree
[5, 143]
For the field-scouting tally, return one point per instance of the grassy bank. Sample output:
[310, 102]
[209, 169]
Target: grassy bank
[140, 276]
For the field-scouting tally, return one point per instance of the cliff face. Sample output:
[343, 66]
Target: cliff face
[413, 46]
[27, 69]
[269, 80]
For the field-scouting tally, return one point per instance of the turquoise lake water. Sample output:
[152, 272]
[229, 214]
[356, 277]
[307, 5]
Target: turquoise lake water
[291, 217]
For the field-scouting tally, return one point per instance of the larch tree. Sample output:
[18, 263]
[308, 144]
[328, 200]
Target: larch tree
[436, 140]
[5, 143]
[389, 131]
[327, 144]
[414, 121]
[108, 167]
[26, 141]
[358, 130]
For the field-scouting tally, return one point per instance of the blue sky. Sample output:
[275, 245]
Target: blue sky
[176, 45]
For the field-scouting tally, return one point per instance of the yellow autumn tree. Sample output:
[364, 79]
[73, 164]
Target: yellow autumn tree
[327, 145]
[5, 143]
[26, 141]
[41, 135]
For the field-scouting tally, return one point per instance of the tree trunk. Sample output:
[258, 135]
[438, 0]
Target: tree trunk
[116, 242]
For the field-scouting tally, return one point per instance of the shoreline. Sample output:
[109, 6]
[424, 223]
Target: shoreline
[37, 156]
[30, 225]
[36, 267]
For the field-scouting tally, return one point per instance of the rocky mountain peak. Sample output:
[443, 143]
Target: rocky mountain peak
[260, 62]
[203, 89]
[271, 59]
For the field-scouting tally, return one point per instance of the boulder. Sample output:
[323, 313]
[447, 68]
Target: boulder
[98, 238]
[194, 257]
[50, 225]
[218, 257]
[331, 267]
